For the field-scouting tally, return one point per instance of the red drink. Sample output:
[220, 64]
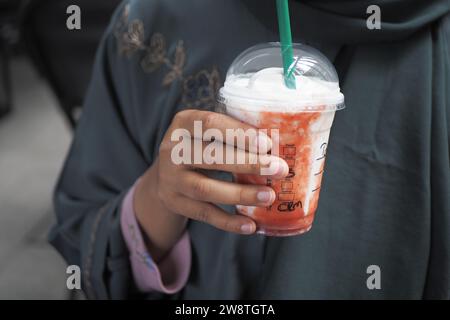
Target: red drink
[303, 139]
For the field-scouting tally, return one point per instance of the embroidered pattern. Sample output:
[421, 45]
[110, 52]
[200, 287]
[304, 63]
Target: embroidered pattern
[198, 91]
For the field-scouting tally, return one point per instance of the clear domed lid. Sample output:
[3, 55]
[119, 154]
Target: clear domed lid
[255, 78]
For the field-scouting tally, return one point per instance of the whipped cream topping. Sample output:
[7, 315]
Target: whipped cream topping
[266, 90]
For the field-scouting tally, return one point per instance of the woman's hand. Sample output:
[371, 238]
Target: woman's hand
[168, 194]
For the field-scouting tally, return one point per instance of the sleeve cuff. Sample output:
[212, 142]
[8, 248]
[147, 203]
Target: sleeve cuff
[171, 274]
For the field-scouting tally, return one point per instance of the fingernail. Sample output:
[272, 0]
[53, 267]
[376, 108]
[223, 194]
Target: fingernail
[282, 169]
[264, 196]
[278, 167]
[247, 228]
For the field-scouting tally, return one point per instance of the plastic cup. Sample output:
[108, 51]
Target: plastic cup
[254, 92]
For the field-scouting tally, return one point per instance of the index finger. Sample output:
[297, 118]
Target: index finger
[208, 126]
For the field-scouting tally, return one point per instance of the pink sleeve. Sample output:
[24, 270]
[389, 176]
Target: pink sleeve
[171, 274]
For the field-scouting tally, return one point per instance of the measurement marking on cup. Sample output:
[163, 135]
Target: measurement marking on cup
[287, 186]
[286, 196]
[314, 190]
[323, 147]
[320, 158]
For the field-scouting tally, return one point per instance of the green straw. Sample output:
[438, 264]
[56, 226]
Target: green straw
[287, 52]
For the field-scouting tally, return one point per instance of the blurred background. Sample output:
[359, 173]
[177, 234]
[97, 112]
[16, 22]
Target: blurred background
[44, 72]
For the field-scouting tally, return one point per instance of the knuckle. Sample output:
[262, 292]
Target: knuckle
[230, 226]
[200, 189]
[180, 117]
[203, 214]
[181, 114]
[165, 146]
[254, 168]
[211, 120]
[242, 196]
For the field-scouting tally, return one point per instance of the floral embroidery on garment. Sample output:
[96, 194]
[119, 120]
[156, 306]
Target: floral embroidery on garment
[198, 91]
